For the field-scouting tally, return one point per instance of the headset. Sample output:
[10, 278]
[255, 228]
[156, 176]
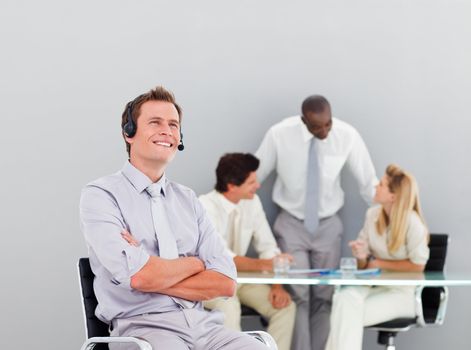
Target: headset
[130, 127]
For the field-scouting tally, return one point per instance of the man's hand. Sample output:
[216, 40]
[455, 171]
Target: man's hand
[288, 256]
[278, 297]
[128, 237]
[285, 257]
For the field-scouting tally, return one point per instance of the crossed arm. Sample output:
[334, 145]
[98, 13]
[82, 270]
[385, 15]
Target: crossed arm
[184, 277]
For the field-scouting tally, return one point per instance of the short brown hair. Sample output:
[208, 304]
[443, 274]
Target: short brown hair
[234, 168]
[158, 94]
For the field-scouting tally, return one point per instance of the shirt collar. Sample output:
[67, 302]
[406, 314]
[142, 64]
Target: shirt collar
[139, 180]
[307, 136]
[226, 204]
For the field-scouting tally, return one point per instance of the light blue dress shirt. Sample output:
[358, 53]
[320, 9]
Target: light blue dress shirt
[120, 201]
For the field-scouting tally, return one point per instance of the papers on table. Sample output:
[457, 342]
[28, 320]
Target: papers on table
[309, 271]
[326, 272]
[364, 272]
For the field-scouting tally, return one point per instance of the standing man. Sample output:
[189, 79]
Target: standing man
[308, 153]
[238, 216]
[152, 248]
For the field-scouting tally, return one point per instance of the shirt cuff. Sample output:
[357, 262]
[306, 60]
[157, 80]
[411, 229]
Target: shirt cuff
[136, 258]
[270, 254]
[419, 260]
[222, 265]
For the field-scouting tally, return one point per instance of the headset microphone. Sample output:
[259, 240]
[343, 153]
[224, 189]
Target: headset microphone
[181, 146]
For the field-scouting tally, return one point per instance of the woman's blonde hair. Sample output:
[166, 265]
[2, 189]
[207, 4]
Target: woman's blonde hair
[404, 186]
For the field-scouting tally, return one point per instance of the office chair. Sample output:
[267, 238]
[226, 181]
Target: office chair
[430, 302]
[247, 311]
[97, 332]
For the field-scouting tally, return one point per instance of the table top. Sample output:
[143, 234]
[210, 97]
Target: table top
[384, 278]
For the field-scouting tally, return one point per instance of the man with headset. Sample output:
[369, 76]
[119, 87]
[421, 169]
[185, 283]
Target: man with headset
[152, 248]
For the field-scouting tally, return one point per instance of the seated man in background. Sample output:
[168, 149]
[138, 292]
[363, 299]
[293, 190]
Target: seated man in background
[237, 213]
[152, 247]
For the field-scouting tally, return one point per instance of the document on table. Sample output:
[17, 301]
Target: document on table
[323, 272]
[364, 272]
[310, 271]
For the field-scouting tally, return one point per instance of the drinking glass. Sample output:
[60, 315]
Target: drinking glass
[348, 266]
[281, 265]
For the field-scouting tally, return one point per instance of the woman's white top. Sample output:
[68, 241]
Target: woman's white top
[415, 247]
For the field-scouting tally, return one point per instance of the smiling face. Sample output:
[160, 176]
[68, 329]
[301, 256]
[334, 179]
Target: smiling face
[246, 190]
[157, 135]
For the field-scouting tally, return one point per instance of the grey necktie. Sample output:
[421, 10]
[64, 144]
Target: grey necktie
[311, 209]
[167, 244]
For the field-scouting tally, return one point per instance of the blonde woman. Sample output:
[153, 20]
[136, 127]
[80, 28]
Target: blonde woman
[394, 237]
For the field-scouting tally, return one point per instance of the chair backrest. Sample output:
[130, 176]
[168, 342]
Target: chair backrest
[438, 245]
[432, 296]
[94, 327]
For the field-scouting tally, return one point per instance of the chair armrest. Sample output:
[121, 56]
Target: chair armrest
[441, 300]
[265, 338]
[91, 342]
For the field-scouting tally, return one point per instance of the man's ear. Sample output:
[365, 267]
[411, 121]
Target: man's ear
[230, 187]
[129, 140]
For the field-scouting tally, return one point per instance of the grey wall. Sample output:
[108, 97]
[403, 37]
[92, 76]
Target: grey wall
[399, 71]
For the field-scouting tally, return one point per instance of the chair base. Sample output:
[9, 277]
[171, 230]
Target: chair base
[387, 331]
[387, 339]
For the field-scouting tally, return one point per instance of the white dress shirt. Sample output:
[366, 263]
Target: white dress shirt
[285, 148]
[251, 224]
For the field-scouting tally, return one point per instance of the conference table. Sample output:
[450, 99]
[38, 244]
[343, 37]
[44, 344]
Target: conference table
[384, 278]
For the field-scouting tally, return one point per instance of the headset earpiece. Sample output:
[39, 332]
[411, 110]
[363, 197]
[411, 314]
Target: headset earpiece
[129, 128]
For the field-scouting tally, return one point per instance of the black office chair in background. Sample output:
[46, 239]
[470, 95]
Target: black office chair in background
[430, 301]
[247, 312]
[97, 332]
